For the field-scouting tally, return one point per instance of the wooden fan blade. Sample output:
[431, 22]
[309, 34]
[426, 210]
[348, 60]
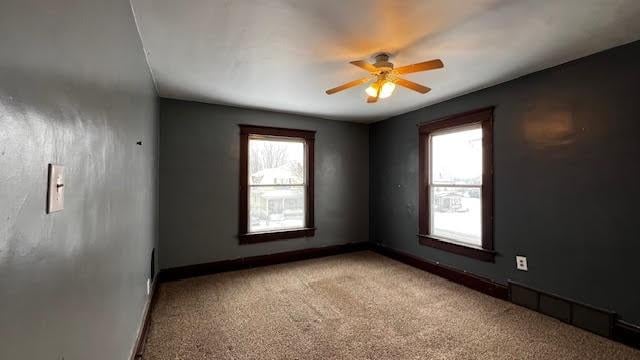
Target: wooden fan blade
[411, 85]
[348, 85]
[365, 65]
[423, 66]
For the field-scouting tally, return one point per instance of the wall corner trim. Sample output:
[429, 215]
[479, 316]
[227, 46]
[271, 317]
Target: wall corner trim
[138, 348]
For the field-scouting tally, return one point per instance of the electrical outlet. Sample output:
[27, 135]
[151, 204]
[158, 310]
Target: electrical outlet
[521, 263]
[148, 286]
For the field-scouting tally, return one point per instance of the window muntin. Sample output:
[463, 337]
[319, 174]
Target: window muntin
[455, 184]
[277, 184]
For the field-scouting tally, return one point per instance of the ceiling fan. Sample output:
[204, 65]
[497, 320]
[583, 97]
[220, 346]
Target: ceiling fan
[386, 77]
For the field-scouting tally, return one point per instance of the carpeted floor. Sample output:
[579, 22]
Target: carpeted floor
[354, 306]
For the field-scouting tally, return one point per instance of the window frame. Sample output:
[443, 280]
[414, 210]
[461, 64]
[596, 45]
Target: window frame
[308, 138]
[483, 117]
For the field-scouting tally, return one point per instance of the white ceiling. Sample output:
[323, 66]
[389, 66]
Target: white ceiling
[282, 54]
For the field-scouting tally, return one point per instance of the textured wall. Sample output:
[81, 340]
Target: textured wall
[199, 169]
[74, 90]
[566, 156]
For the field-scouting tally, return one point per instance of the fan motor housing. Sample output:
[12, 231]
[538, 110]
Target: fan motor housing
[382, 63]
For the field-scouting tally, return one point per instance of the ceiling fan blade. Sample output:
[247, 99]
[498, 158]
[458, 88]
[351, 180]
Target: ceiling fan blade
[423, 66]
[348, 85]
[365, 65]
[411, 85]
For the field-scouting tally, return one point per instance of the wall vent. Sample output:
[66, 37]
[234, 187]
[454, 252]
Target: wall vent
[584, 316]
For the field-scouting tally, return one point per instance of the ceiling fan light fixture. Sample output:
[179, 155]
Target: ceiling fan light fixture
[385, 77]
[372, 90]
[387, 89]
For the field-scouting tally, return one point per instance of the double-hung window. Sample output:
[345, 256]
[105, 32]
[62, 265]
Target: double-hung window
[276, 183]
[456, 184]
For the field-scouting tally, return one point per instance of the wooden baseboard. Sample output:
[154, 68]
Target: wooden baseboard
[472, 281]
[188, 271]
[229, 265]
[142, 336]
[626, 333]
[623, 332]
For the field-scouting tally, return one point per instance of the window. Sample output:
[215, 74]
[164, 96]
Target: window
[456, 184]
[276, 183]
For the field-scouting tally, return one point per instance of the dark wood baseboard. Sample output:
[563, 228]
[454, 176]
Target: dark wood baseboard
[623, 332]
[626, 333]
[142, 337]
[469, 280]
[188, 271]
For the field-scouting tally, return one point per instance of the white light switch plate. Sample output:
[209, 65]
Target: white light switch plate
[521, 263]
[55, 191]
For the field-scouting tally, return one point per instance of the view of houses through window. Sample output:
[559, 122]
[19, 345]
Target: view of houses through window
[456, 184]
[276, 184]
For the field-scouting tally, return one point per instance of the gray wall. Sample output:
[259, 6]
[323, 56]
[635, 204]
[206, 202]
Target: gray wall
[74, 90]
[199, 169]
[566, 180]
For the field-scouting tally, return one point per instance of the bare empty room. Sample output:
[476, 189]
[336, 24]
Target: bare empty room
[304, 179]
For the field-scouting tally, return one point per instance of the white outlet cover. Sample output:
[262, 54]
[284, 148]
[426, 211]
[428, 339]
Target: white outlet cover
[521, 263]
[55, 190]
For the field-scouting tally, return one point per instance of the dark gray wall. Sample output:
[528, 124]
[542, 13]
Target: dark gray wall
[199, 169]
[566, 180]
[74, 90]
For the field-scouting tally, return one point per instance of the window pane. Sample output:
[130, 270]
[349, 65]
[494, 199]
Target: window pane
[457, 157]
[276, 208]
[456, 214]
[273, 162]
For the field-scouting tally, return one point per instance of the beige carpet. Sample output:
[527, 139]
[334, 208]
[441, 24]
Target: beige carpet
[354, 306]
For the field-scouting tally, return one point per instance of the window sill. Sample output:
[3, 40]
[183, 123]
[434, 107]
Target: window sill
[468, 251]
[258, 237]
